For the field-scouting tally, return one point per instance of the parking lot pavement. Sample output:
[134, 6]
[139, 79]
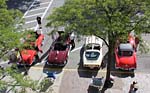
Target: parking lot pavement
[37, 8]
[76, 81]
[122, 85]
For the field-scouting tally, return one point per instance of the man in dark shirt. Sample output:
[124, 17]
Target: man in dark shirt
[39, 21]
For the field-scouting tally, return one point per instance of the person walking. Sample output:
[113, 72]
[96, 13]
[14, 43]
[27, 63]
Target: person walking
[133, 87]
[72, 37]
[39, 21]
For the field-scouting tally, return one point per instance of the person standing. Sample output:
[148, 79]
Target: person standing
[133, 87]
[39, 21]
[72, 37]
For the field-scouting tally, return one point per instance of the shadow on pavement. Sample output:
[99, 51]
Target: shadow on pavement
[85, 72]
[104, 62]
[92, 89]
[52, 69]
[123, 73]
[24, 69]
[44, 55]
[22, 5]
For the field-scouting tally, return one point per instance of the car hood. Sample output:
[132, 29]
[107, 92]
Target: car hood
[27, 54]
[127, 60]
[57, 56]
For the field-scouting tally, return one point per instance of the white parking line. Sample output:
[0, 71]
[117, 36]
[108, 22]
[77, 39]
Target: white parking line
[28, 9]
[30, 21]
[41, 3]
[50, 3]
[76, 49]
[37, 9]
[33, 15]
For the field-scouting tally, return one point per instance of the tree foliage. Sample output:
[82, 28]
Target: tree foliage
[9, 36]
[10, 78]
[111, 20]
[100, 17]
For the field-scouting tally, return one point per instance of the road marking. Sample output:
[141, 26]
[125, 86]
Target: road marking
[37, 9]
[88, 70]
[30, 21]
[33, 15]
[50, 3]
[76, 49]
[66, 69]
[28, 9]
[40, 3]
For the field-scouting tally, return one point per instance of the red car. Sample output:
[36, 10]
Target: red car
[125, 55]
[29, 56]
[59, 51]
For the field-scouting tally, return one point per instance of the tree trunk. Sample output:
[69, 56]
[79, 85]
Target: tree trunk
[109, 62]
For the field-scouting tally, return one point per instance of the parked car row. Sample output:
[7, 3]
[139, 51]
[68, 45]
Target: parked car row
[125, 53]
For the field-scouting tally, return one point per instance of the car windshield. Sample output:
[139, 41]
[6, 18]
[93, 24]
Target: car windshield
[94, 46]
[97, 47]
[60, 47]
[92, 55]
[125, 53]
[89, 46]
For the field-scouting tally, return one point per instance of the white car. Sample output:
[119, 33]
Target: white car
[92, 56]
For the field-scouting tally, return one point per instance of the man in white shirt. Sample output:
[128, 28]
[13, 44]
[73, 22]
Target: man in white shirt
[72, 37]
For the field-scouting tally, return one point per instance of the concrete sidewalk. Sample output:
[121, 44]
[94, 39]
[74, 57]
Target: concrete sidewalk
[74, 82]
[122, 85]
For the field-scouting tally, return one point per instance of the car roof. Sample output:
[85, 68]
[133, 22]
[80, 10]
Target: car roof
[126, 47]
[93, 39]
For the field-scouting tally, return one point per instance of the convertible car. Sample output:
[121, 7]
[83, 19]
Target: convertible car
[125, 57]
[92, 56]
[59, 51]
[28, 56]
[125, 53]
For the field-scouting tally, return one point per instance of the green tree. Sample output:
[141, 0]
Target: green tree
[10, 39]
[108, 19]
